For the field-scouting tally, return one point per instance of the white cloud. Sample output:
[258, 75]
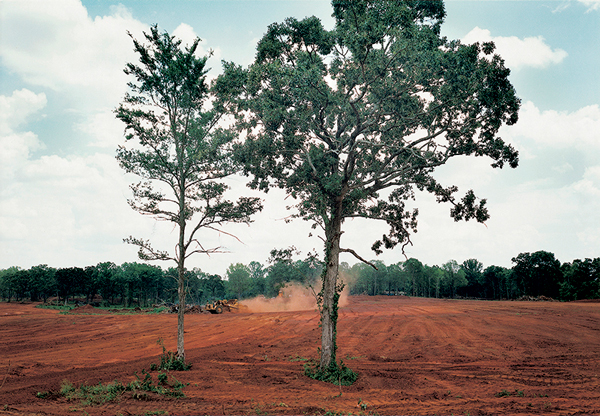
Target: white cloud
[519, 53]
[15, 110]
[56, 45]
[15, 146]
[589, 185]
[187, 34]
[548, 203]
[104, 129]
[579, 129]
[65, 211]
[561, 7]
[68, 209]
[591, 4]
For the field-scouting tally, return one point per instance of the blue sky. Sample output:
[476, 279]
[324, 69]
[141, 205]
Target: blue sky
[63, 196]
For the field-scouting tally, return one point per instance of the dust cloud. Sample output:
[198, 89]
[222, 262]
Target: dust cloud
[293, 297]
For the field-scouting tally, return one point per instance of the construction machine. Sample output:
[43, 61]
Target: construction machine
[218, 306]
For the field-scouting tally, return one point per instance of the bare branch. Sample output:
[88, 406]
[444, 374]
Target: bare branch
[349, 250]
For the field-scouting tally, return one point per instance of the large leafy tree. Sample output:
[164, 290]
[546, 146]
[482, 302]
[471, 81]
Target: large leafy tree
[238, 278]
[537, 274]
[581, 279]
[180, 153]
[376, 104]
[473, 269]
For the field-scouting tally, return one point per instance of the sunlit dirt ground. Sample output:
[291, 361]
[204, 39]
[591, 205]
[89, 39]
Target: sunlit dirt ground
[413, 356]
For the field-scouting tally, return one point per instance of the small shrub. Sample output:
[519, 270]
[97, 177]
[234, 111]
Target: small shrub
[340, 375]
[169, 360]
[506, 393]
[362, 405]
[67, 388]
[503, 393]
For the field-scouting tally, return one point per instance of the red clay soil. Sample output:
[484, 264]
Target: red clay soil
[413, 356]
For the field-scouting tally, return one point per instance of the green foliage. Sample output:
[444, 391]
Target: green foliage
[238, 278]
[337, 374]
[37, 283]
[133, 285]
[180, 145]
[103, 393]
[537, 274]
[69, 281]
[503, 393]
[581, 280]
[66, 388]
[363, 405]
[283, 269]
[93, 395]
[162, 378]
[506, 393]
[169, 361]
[61, 307]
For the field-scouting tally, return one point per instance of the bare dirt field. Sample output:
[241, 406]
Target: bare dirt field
[413, 356]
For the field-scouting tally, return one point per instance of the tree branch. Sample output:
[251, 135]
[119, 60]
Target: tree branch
[349, 250]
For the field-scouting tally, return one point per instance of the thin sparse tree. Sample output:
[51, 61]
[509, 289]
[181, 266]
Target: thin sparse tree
[180, 152]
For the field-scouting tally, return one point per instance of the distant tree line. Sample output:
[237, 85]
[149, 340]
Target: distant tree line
[140, 284]
[129, 284]
[533, 274]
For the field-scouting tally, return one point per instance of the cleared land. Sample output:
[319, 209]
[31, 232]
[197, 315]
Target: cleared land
[413, 356]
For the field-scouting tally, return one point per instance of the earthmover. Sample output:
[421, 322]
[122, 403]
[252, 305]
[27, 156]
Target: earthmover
[218, 306]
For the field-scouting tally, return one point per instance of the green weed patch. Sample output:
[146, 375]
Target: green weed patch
[102, 393]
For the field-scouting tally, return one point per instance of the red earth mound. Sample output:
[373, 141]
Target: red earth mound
[413, 356]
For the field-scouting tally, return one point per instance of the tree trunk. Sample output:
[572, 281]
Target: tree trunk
[329, 311]
[180, 312]
[181, 285]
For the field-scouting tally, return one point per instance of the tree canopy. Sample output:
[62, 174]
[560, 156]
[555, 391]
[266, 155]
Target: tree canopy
[336, 117]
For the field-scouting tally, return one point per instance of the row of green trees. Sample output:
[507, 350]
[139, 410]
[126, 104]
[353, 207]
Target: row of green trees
[533, 274]
[128, 284]
[141, 284]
